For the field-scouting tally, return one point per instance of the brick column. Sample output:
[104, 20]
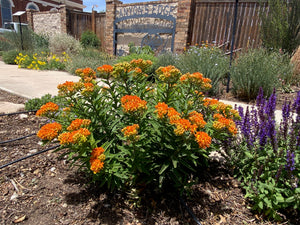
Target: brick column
[63, 19]
[184, 13]
[109, 26]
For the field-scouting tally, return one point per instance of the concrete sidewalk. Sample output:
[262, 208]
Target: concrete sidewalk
[33, 84]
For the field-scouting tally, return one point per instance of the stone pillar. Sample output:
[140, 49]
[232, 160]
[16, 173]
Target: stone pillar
[183, 24]
[29, 14]
[109, 26]
[63, 19]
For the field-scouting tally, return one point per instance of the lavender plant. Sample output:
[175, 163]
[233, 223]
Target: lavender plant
[266, 156]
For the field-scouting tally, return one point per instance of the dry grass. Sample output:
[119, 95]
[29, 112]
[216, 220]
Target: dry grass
[296, 61]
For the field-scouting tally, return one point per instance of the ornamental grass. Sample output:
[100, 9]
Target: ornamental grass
[128, 131]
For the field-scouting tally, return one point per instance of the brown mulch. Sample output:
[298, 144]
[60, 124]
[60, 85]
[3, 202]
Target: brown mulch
[45, 190]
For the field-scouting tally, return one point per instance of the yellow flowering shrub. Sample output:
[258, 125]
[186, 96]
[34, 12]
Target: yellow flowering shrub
[42, 61]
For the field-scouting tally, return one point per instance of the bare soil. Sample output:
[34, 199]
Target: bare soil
[45, 190]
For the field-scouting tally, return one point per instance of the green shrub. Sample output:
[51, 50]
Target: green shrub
[127, 134]
[259, 68]
[88, 58]
[10, 56]
[166, 59]
[31, 41]
[132, 56]
[60, 43]
[40, 41]
[208, 60]
[281, 25]
[90, 40]
[139, 50]
[36, 103]
[14, 39]
[5, 44]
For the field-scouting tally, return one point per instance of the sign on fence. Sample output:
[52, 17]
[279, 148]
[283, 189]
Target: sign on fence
[152, 24]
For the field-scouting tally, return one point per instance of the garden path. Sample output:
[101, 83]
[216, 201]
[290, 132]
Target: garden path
[36, 83]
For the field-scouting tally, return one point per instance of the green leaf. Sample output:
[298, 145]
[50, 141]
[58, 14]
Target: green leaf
[249, 155]
[163, 168]
[175, 162]
[290, 199]
[261, 205]
[279, 198]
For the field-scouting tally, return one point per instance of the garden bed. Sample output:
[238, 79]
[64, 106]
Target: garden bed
[44, 190]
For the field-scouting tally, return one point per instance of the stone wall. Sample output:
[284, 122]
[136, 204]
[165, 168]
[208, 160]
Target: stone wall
[48, 22]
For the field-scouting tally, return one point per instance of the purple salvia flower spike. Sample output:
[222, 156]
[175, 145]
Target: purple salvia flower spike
[260, 100]
[286, 112]
[271, 105]
[262, 134]
[254, 123]
[290, 161]
[260, 103]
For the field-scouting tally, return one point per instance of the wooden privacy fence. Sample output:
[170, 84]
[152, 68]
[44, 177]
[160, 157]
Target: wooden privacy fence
[213, 22]
[78, 22]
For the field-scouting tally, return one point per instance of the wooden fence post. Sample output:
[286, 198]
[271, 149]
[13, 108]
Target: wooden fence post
[94, 14]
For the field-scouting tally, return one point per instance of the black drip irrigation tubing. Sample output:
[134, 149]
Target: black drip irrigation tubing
[15, 113]
[29, 156]
[189, 211]
[17, 139]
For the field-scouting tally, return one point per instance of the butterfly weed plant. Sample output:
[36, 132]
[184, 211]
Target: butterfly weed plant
[126, 131]
[266, 156]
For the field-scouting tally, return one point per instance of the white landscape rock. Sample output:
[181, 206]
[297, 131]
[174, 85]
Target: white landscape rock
[8, 107]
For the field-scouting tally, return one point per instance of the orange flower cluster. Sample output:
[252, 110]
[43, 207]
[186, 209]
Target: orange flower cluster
[78, 123]
[210, 102]
[69, 88]
[140, 63]
[97, 159]
[49, 131]
[161, 109]
[87, 74]
[75, 137]
[89, 88]
[184, 125]
[137, 71]
[131, 132]
[168, 74]
[105, 69]
[197, 119]
[49, 107]
[121, 69]
[173, 115]
[222, 108]
[224, 123]
[197, 79]
[203, 139]
[132, 103]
